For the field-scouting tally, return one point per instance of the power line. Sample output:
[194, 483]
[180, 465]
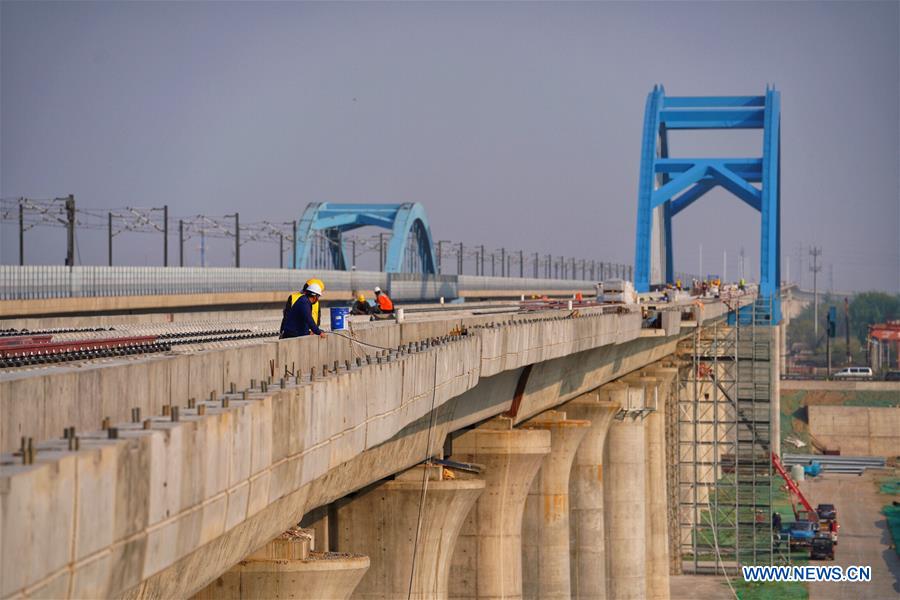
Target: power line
[324, 250]
[815, 252]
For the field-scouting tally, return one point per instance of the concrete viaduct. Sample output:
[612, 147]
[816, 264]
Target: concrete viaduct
[206, 461]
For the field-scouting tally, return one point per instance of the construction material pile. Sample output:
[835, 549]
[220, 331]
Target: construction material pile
[854, 465]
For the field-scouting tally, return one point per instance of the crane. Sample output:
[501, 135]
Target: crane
[795, 492]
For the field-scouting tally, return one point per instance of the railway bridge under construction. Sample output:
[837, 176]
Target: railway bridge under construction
[170, 446]
[495, 449]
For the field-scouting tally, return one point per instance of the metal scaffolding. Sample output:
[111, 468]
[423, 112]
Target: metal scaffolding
[724, 472]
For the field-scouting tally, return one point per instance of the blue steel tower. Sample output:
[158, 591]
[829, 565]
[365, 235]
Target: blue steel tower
[669, 185]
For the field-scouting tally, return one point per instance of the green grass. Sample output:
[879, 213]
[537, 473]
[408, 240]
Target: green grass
[891, 487]
[724, 517]
[782, 590]
[872, 398]
[794, 418]
[792, 407]
[793, 414]
[892, 514]
[781, 503]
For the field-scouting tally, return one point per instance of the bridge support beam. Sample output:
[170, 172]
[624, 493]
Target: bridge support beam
[285, 568]
[625, 500]
[657, 498]
[545, 531]
[381, 521]
[487, 560]
[588, 554]
[775, 348]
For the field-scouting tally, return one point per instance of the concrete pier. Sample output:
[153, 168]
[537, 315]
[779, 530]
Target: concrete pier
[286, 568]
[545, 530]
[779, 333]
[657, 498]
[587, 530]
[381, 522]
[625, 502]
[487, 560]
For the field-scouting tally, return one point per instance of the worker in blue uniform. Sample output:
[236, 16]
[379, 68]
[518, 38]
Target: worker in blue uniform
[298, 319]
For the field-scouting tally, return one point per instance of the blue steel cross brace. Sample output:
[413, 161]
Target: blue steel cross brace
[669, 185]
[407, 222]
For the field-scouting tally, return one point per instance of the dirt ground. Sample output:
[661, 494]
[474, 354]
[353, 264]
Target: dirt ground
[863, 538]
[695, 587]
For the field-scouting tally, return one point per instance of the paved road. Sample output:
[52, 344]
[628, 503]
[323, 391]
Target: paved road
[863, 539]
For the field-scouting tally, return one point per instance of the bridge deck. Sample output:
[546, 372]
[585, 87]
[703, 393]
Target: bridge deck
[133, 514]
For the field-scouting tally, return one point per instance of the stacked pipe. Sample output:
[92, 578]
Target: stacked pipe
[852, 465]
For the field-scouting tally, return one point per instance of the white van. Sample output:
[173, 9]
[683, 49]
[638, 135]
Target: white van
[854, 373]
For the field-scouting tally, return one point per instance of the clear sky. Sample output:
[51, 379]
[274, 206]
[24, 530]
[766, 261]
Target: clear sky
[515, 124]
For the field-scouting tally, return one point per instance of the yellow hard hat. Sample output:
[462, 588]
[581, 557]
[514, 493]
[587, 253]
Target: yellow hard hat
[361, 298]
[319, 282]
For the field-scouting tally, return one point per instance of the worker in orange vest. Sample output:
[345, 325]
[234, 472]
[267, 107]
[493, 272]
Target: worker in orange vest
[384, 304]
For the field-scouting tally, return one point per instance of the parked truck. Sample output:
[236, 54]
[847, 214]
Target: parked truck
[808, 522]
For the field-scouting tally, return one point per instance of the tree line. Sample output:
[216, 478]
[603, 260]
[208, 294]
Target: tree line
[865, 309]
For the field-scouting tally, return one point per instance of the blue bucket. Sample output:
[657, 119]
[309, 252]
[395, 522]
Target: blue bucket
[339, 318]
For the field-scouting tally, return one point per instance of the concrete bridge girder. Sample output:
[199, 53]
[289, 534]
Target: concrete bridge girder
[370, 522]
[178, 524]
[554, 382]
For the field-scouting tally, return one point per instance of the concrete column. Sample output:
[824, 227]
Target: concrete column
[487, 560]
[657, 555]
[286, 568]
[381, 522]
[316, 521]
[778, 334]
[657, 496]
[625, 498]
[545, 530]
[587, 535]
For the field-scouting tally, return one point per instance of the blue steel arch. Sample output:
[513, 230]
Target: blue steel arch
[407, 222]
[670, 185]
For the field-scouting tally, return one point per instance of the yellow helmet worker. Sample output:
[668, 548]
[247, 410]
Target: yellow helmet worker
[360, 307]
[315, 307]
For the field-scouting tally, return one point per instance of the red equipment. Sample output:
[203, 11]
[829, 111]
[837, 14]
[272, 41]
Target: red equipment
[24, 340]
[42, 347]
[795, 492]
[887, 332]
